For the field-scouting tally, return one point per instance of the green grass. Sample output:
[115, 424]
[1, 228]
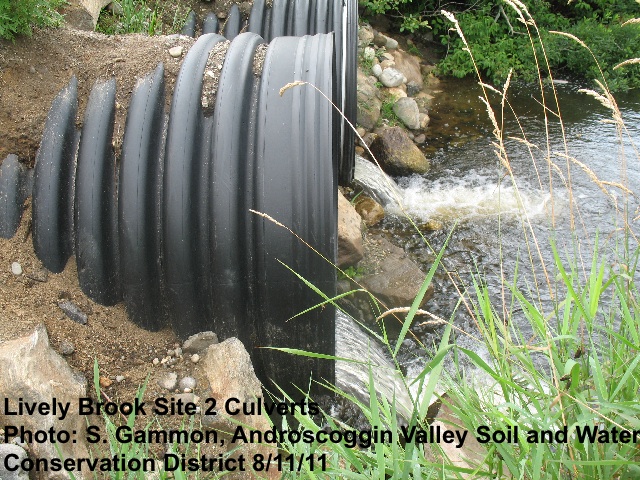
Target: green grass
[570, 366]
[580, 368]
[134, 450]
[19, 17]
[386, 111]
[141, 16]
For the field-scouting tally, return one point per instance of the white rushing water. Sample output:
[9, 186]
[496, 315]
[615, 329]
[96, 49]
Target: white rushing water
[369, 356]
[476, 194]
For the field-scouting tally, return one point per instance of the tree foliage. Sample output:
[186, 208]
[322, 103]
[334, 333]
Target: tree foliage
[17, 17]
[501, 43]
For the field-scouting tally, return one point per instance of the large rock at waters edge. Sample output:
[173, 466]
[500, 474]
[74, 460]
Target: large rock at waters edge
[228, 368]
[406, 109]
[32, 371]
[397, 154]
[350, 247]
[391, 276]
[369, 210]
[410, 68]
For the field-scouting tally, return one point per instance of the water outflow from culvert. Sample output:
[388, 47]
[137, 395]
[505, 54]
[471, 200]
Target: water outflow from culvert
[377, 184]
[369, 361]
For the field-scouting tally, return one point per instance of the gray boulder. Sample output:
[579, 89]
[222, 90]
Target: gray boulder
[406, 109]
[228, 368]
[392, 277]
[397, 153]
[365, 35]
[32, 371]
[20, 454]
[350, 250]
[391, 77]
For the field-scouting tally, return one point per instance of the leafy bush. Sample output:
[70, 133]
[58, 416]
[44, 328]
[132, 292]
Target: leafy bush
[141, 16]
[611, 44]
[136, 17]
[17, 17]
[501, 42]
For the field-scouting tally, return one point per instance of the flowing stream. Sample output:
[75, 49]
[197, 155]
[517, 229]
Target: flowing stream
[500, 223]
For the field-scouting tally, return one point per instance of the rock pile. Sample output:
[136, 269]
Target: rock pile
[391, 94]
[392, 119]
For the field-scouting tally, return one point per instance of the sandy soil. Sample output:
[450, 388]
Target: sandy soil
[32, 71]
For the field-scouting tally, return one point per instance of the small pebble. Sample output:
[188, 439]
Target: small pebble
[105, 382]
[170, 352]
[72, 311]
[195, 358]
[156, 361]
[188, 382]
[16, 268]
[120, 378]
[176, 52]
[67, 348]
[39, 275]
[168, 381]
[178, 352]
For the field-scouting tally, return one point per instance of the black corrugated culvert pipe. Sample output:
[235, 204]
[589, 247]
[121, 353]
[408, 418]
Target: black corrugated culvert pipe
[170, 231]
[306, 17]
[182, 228]
[15, 185]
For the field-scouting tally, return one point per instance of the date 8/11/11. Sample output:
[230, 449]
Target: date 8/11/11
[290, 462]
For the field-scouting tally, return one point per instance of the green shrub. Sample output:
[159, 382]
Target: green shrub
[136, 17]
[501, 43]
[142, 16]
[610, 43]
[18, 17]
[497, 49]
